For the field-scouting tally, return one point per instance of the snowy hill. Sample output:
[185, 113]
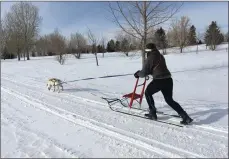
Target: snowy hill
[78, 123]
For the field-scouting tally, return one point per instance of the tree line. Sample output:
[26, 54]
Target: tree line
[20, 33]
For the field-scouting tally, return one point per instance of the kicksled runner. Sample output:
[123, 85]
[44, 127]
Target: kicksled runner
[126, 105]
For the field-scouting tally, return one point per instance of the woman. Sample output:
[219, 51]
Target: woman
[155, 65]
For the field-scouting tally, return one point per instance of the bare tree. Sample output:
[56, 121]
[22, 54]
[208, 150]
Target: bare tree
[170, 38]
[26, 15]
[135, 43]
[57, 45]
[78, 43]
[2, 38]
[150, 35]
[42, 45]
[179, 32]
[138, 18]
[14, 34]
[22, 26]
[94, 42]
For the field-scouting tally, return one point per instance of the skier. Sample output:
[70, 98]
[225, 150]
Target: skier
[155, 65]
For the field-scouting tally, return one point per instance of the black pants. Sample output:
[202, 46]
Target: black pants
[166, 87]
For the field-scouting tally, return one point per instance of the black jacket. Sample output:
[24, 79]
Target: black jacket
[155, 65]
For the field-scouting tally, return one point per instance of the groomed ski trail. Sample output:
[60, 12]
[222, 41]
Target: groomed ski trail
[133, 139]
[101, 105]
[186, 153]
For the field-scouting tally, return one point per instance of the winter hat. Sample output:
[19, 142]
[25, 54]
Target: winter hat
[150, 47]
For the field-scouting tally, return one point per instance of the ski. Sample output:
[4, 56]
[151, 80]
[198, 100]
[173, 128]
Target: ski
[160, 121]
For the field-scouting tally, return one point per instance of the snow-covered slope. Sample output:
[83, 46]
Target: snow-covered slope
[78, 123]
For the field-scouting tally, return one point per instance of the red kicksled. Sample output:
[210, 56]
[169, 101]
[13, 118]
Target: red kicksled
[133, 111]
[132, 96]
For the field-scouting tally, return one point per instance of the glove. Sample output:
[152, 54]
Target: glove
[136, 74]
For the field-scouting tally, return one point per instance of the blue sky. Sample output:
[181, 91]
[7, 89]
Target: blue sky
[71, 17]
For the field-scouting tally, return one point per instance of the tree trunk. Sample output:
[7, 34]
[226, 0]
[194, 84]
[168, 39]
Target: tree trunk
[27, 53]
[78, 55]
[145, 33]
[143, 53]
[181, 49]
[96, 59]
[61, 59]
[18, 54]
[197, 49]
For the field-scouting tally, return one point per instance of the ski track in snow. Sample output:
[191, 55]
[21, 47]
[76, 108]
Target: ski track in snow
[101, 105]
[105, 106]
[21, 129]
[127, 138]
[32, 144]
[108, 130]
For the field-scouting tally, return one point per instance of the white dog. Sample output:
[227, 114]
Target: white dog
[53, 82]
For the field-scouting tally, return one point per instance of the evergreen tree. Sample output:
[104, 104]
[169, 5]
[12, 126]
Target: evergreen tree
[111, 46]
[99, 49]
[108, 46]
[213, 36]
[200, 42]
[94, 49]
[226, 37]
[192, 35]
[117, 46]
[160, 39]
[103, 48]
[125, 46]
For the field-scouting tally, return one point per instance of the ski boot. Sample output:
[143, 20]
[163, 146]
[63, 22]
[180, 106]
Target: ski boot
[186, 119]
[151, 115]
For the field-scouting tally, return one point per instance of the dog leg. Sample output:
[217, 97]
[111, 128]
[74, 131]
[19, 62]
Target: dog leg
[49, 87]
[58, 88]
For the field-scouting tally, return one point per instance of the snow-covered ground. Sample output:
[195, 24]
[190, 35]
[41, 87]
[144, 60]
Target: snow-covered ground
[78, 123]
